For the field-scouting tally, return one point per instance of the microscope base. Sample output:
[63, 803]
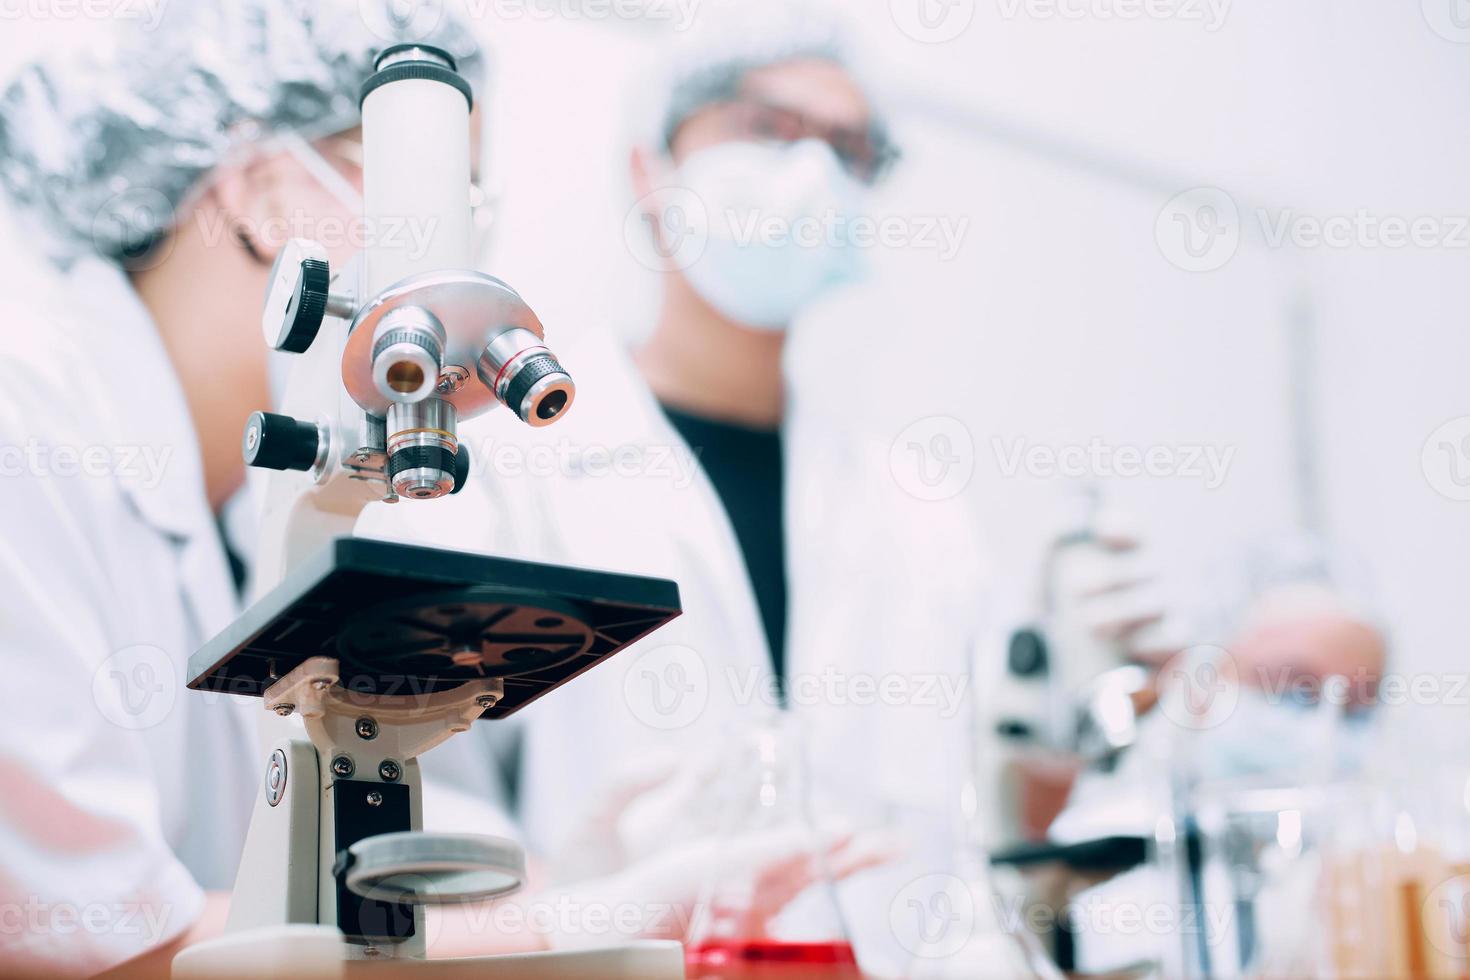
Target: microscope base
[384, 651]
[317, 953]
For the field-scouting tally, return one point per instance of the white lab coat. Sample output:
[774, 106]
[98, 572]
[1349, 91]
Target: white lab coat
[881, 585]
[126, 796]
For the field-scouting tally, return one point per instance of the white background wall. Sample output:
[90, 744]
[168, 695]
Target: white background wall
[1060, 319]
[1060, 138]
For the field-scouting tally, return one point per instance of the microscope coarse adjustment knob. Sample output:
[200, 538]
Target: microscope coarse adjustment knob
[296, 299]
[278, 442]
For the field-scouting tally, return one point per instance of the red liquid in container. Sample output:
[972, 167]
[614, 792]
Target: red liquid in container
[767, 959]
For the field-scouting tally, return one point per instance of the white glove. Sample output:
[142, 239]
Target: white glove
[595, 848]
[652, 804]
[657, 898]
[1111, 590]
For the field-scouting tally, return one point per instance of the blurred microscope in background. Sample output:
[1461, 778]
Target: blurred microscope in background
[1215, 792]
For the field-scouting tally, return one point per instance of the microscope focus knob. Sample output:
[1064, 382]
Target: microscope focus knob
[461, 468]
[1027, 654]
[278, 442]
[296, 300]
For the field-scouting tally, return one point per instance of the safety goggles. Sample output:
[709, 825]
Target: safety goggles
[866, 153]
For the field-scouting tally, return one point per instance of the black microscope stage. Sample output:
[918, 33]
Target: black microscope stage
[405, 620]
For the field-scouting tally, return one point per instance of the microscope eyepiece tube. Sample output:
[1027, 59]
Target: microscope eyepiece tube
[416, 165]
[526, 377]
[408, 355]
[422, 444]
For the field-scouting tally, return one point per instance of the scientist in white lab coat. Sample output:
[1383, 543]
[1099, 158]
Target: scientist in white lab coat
[144, 186]
[811, 578]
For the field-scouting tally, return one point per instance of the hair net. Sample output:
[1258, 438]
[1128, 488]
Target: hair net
[99, 146]
[729, 40]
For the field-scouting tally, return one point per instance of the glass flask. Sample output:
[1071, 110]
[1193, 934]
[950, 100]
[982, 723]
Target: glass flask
[780, 919]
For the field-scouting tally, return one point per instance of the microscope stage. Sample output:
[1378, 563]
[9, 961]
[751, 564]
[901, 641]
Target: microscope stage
[405, 620]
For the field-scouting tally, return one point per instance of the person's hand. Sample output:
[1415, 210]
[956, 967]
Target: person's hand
[596, 846]
[757, 873]
[650, 804]
[1116, 593]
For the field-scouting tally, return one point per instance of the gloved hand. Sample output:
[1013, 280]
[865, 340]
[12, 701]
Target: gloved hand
[596, 847]
[650, 804]
[1113, 588]
[656, 898]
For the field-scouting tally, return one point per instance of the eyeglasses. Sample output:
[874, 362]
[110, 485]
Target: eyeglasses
[866, 153]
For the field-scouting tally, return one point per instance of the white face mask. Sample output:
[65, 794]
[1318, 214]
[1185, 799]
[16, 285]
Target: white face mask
[777, 217]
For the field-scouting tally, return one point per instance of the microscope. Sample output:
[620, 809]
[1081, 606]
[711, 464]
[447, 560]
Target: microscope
[372, 652]
[1069, 702]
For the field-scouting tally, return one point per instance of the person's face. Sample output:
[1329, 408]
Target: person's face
[787, 102]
